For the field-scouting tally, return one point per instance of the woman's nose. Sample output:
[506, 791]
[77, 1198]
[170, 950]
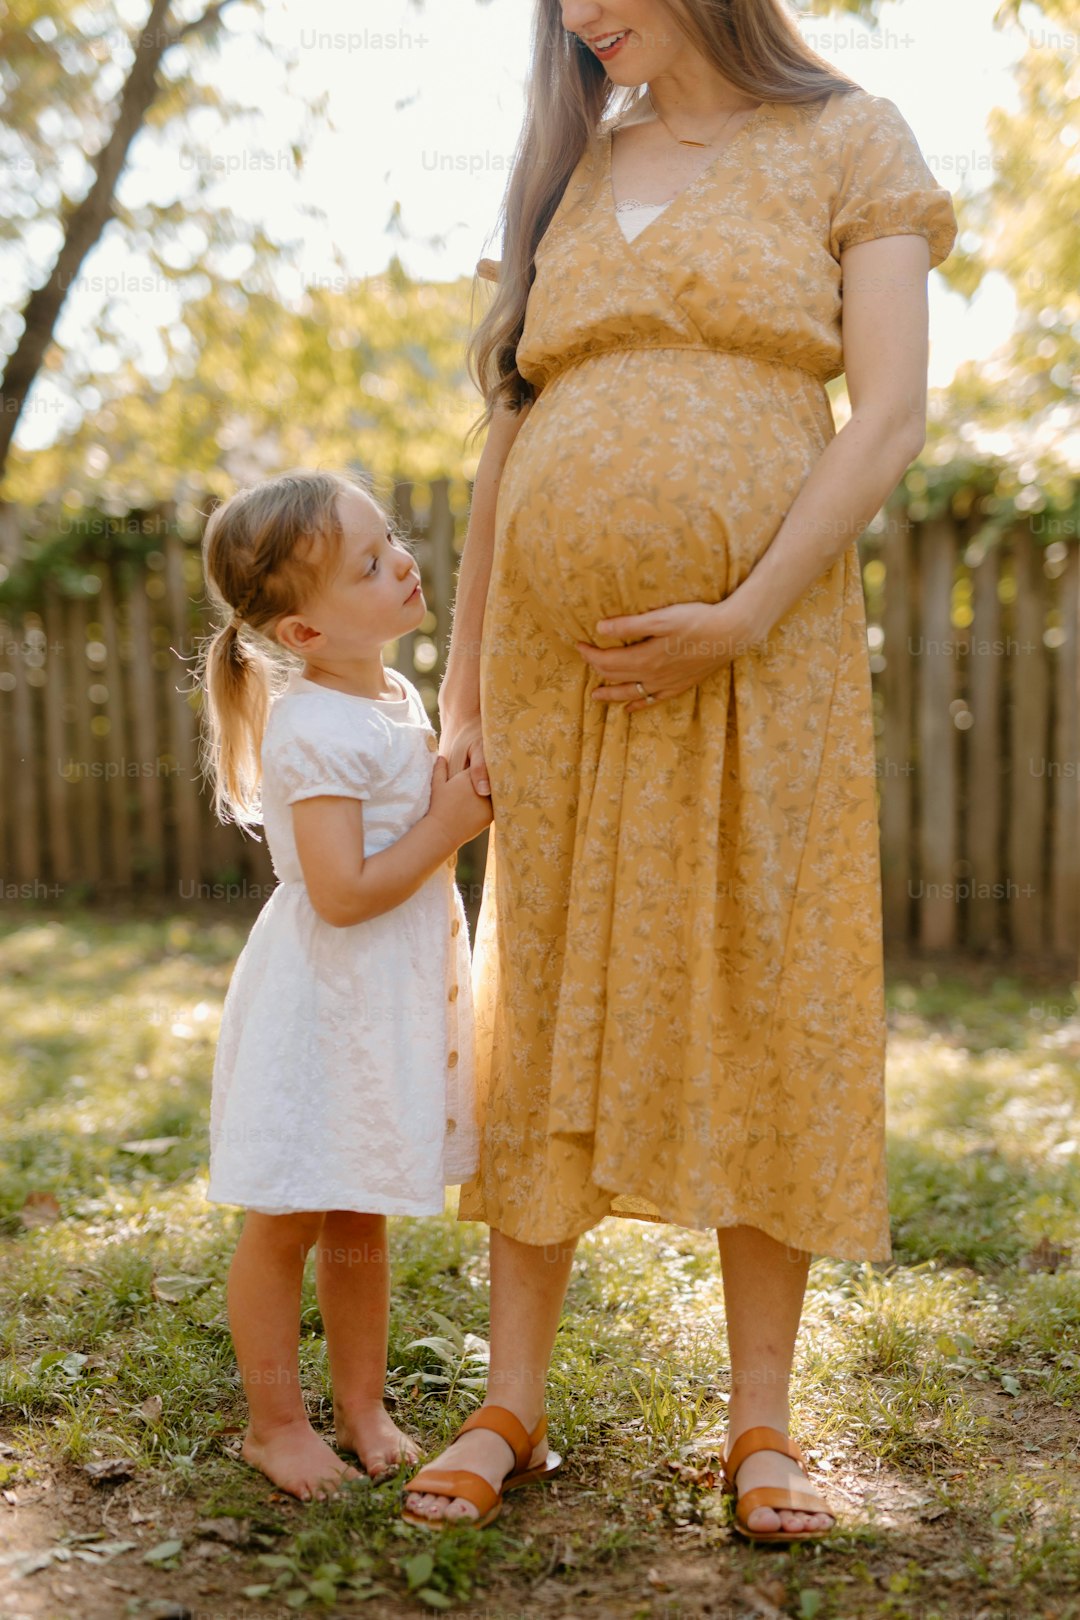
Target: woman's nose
[578, 15]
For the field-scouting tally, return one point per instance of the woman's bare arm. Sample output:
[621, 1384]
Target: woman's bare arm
[459, 694]
[885, 358]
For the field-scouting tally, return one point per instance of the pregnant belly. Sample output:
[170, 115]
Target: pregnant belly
[646, 477]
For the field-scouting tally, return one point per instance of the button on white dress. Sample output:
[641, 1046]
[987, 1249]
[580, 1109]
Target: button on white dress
[344, 1077]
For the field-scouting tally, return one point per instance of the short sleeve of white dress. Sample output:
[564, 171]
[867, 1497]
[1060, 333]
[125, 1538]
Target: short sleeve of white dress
[310, 758]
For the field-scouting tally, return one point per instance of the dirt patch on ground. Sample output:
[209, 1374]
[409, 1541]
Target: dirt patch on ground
[909, 1545]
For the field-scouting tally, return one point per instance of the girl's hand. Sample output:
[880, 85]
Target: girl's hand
[681, 645]
[463, 748]
[456, 805]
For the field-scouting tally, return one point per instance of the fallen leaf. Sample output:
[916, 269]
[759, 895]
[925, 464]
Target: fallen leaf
[163, 1552]
[656, 1580]
[234, 1532]
[109, 1468]
[150, 1146]
[151, 1409]
[175, 1289]
[759, 1605]
[1046, 1256]
[39, 1209]
[30, 1563]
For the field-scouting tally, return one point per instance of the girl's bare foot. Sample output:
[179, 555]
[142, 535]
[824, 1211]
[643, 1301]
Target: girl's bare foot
[481, 1452]
[296, 1460]
[371, 1434]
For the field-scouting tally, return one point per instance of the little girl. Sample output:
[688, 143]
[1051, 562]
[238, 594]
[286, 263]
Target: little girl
[343, 1078]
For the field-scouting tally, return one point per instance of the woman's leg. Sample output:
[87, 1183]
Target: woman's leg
[352, 1279]
[263, 1292]
[528, 1286]
[764, 1284]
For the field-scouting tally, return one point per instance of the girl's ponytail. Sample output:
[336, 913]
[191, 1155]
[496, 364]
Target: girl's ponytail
[266, 550]
[239, 680]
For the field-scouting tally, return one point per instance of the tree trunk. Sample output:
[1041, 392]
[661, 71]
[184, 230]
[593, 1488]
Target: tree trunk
[88, 219]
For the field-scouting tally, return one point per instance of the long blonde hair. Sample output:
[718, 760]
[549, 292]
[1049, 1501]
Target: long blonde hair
[265, 551]
[753, 43]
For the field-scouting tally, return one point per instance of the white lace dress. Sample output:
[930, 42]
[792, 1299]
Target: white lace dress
[343, 1077]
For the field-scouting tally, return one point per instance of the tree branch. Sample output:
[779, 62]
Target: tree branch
[85, 222]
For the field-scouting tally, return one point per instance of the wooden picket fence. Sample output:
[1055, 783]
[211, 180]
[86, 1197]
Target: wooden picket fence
[976, 690]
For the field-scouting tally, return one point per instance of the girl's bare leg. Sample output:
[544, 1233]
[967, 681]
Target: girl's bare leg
[352, 1278]
[528, 1286]
[264, 1315]
[764, 1284]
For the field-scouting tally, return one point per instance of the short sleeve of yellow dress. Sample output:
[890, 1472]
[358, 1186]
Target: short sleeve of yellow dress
[677, 969]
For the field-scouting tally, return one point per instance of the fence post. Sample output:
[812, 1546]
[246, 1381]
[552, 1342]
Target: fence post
[1065, 854]
[145, 734]
[88, 799]
[114, 714]
[985, 780]
[895, 810]
[27, 828]
[937, 739]
[1029, 726]
[57, 786]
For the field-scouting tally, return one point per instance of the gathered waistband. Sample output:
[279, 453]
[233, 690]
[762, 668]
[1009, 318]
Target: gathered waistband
[701, 348]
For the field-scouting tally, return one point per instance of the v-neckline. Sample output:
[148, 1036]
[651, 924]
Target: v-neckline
[610, 207]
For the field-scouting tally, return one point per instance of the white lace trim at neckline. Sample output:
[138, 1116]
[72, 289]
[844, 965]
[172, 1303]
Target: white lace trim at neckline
[634, 202]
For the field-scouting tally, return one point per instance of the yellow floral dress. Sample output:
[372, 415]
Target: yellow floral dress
[677, 967]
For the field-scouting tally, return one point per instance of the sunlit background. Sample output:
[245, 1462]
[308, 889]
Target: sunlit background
[408, 120]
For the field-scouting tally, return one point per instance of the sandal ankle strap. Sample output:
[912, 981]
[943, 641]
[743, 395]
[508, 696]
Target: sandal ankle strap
[501, 1421]
[760, 1438]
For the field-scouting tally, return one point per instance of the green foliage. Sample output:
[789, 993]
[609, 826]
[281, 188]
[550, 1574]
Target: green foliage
[61, 70]
[370, 371]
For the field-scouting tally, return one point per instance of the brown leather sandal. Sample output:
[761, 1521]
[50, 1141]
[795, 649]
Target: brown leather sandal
[777, 1497]
[474, 1487]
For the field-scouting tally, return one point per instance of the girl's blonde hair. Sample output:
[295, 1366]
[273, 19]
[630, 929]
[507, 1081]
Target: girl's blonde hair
[753, 43]
[266, 550]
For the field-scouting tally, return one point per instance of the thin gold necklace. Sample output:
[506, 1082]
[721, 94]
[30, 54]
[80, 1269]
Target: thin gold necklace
[679, 138]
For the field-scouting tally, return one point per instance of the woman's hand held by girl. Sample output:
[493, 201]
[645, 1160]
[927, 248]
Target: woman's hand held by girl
[456, 807]
[464, 745]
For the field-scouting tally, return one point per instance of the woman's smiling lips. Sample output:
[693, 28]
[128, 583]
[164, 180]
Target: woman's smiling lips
[605, 54]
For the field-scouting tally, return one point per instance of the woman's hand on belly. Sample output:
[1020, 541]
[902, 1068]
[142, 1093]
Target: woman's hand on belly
[674, 648]
[463, 747]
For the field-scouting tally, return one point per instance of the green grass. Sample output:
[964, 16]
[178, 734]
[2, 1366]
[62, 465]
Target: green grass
[938, 1395]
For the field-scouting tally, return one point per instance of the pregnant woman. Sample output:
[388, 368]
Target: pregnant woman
[659, 671]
